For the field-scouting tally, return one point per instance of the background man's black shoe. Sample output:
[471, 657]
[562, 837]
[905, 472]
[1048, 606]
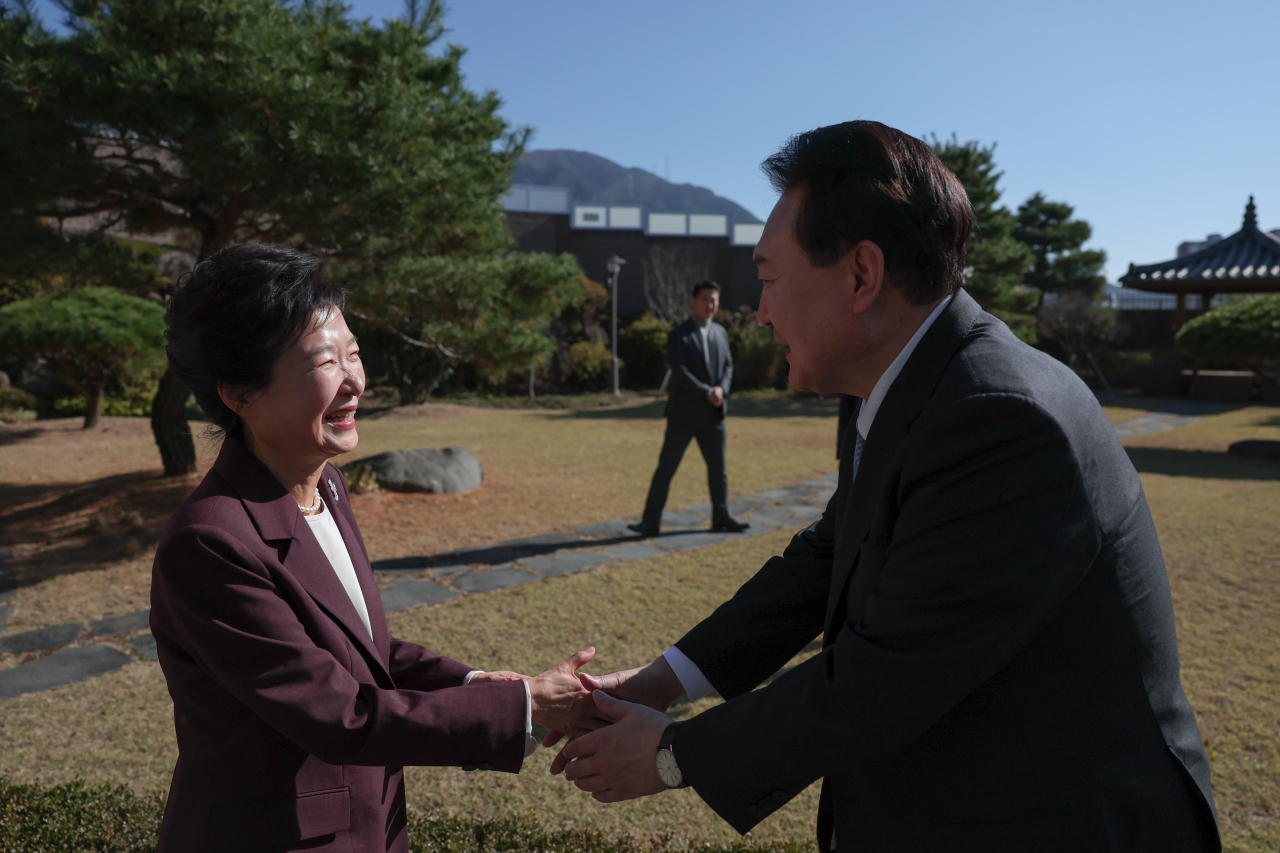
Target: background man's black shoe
[729, 524]
[644, 529]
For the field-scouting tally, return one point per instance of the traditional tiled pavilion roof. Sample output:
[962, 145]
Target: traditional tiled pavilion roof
[1246, 262]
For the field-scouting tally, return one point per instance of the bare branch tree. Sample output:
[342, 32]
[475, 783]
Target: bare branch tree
[669, 275]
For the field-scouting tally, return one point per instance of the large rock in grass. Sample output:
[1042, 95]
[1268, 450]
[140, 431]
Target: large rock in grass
[441, 472]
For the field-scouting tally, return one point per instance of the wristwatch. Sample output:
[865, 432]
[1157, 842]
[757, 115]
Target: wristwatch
[665, 761]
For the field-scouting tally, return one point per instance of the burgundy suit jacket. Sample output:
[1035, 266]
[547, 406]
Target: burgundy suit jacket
[292, 724]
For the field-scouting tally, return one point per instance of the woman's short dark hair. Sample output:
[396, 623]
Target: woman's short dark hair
[864, 180]
[233, 316]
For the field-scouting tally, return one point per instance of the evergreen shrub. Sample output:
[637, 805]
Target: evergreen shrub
[79, 818]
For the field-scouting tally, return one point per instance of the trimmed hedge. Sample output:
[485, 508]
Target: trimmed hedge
[1247, 332]
[79, 818]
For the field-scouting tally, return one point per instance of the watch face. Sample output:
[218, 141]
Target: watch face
[668, 771]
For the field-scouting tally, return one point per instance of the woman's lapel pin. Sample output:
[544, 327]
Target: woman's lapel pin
[333, 489]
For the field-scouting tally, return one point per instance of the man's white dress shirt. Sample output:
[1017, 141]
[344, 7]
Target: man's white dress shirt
[695, 684]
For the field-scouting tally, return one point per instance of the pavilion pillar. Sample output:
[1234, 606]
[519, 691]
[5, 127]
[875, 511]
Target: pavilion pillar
[1180, 311]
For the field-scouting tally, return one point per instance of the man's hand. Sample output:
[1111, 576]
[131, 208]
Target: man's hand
[654, 685]
[561, 702]
[616, 762]
[715, 396]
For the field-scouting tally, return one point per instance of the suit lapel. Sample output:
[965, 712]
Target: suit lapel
[694, 336]
[308, 562]
[275, 514]
[907, 397]
[364, 571]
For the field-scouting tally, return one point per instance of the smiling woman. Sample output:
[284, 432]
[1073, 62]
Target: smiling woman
[294, 706]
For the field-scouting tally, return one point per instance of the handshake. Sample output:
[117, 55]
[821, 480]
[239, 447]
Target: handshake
[613, 723]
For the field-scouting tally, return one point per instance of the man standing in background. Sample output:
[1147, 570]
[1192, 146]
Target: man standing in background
[701, 372]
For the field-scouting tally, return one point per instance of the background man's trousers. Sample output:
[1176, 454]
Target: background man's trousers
[711, 439]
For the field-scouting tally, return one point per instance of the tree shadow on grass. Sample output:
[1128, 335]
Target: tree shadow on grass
[781, 407]
[1201, 464]
[65, 528]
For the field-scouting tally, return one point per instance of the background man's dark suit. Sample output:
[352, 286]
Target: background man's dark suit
[999, 669]
[691, 416]
[293, 722]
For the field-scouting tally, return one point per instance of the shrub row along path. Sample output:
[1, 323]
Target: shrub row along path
[413, 581]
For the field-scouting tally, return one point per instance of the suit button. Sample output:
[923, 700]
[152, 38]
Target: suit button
[485, 766]
[468, 767]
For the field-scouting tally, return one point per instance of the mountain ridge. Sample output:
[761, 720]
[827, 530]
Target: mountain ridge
[597, 180]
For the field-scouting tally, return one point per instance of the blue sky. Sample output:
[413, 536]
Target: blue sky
[1156, 120]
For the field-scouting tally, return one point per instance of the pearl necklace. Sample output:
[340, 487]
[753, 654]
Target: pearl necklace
[314, 508]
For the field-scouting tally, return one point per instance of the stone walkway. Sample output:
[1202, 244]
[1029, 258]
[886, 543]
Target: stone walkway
[413, 581]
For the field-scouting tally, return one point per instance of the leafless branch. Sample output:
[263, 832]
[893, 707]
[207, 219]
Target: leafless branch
[430, 343]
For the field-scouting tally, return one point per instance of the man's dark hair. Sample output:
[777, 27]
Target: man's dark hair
[705, 285]
[233, 316]
[864, 180]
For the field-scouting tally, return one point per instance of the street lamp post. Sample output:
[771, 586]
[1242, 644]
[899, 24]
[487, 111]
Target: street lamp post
[614, 266]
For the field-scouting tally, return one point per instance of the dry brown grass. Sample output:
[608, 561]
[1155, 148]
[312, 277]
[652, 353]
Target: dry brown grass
[83, 545]
[1215, 514]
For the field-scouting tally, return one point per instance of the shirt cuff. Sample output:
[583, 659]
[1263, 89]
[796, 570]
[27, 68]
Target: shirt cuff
[695, 684]
[530, 742]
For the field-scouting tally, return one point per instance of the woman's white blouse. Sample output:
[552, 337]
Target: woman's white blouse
[330, 539]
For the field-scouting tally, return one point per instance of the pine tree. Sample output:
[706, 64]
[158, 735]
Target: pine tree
[997, 260]
[1056, 239]
[235, 120]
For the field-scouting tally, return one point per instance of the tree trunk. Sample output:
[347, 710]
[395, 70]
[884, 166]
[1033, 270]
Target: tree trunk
[169, 409]
[169, 426]
[92, 406]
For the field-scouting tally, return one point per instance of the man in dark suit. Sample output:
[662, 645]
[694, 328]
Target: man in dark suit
[999, 668]
[701, 373]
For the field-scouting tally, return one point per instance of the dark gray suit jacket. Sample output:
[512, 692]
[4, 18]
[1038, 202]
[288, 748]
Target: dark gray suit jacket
[999, 668]
[690, 379]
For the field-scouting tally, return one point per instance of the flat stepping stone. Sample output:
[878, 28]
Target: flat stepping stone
[691, 539]
[774, 494]
[827, 495]
[145, 645]
[59, 668]
[682, 519]
[615, 529]
[832, 478]
[403, 565]
[487, 580]
[5, 613]
[404, 596]
[41, 639]
[544, 544]
[634, 552]
[126, 624]
[770, 521]
[476, 556]
[815, 484]
[747, 501]
[569, 561]
[806, 513]
[736, 507]
[1158, 422]
[773, 512]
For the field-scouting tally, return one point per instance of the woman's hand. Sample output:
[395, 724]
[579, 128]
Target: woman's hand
[561, 702]
[500, 675]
